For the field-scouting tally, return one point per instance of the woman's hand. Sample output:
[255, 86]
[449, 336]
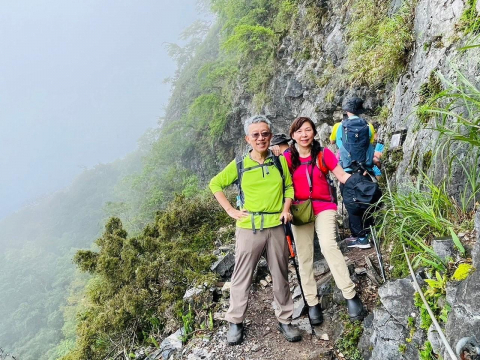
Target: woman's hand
[237, 214]
[276, 150]
[340, 174]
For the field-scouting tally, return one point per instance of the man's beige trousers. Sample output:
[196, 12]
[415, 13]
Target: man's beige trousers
[325, 226]
[249, 247]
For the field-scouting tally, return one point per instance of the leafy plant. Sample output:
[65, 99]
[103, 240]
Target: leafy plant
[348, 341]
[138, 283]
[378, 43]
[427, 352]
[457, 241]
[470, 19]
[462, 272]
[188, 321]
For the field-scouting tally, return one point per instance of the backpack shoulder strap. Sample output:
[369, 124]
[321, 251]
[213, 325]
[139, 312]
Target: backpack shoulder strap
[278, 165]
[239, 159]
[321, 162]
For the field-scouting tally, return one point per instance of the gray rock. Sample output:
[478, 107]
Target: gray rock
[397, 298]
[444, 248]
[224, 265]
[226, 289]
[297, 292]
[434, 338]
[298, 308]
[451, 291]
[320, 267]
[261, 270]
[169, 347]
[294, 89]
[476, 248]
[464, 318]
[190, 293]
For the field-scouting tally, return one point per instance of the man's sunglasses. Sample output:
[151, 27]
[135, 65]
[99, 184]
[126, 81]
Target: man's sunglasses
[264, 134]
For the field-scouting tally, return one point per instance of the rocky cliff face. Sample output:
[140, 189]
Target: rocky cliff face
[310, 81]
[311, 78]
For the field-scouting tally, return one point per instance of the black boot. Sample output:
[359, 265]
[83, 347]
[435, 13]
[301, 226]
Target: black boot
[235, 334]
[356, 311]
[290, 332]
[315, 314]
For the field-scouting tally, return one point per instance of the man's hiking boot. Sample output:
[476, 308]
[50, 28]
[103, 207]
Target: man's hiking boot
[315, 314]
[290, 332]
[356, 311]
[361, 243]
[235, 334]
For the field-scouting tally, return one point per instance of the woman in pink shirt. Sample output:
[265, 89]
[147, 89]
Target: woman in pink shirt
[302, 161]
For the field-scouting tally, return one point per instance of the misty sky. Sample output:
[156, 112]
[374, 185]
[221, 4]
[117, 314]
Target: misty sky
[80, 82]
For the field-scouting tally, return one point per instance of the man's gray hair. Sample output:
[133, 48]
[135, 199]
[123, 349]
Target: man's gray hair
[255, 119]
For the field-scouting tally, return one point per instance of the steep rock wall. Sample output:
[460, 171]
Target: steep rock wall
[311, 78]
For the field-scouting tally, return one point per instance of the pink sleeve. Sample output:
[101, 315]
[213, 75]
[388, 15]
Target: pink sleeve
[330, 159]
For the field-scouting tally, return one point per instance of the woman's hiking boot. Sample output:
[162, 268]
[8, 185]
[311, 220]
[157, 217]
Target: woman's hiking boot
[290, 332]
[356, 311]
[315, 314]
[235, 334]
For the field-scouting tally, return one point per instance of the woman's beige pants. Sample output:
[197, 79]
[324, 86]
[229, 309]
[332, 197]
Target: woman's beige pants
[325, 226]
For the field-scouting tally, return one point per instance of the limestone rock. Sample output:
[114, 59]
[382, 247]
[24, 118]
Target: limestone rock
[444, 248]
[224, 265]
[168, 347]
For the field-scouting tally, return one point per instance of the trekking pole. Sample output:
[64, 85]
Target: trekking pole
[290, 241]
[379, 254]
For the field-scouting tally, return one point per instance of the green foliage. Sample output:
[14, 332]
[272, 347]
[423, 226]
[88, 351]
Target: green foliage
[330, 96]
[378, 43]
[435, 296]
[462, 272]
[428, 94]
[456, 113]
[470, 19]
[348, 341]
[418, 214]
[138, 282]
[382, 114]
[188, 322]
[427, 352]
[457, 242]
[402, 348]
[210, 111]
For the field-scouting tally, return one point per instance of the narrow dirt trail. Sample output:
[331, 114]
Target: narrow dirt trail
[262, 340]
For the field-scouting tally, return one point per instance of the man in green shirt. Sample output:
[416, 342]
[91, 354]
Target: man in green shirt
[265, 205]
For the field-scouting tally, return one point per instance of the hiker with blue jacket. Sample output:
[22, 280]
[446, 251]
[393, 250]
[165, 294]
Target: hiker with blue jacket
[354, 138]
[265, 197]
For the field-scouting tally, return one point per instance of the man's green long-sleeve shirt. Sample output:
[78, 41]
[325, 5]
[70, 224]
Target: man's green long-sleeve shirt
[262, 188]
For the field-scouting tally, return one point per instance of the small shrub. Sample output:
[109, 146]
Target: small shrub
[462, 272]
[470, 19]
[378, 44]
[428, 94]
[427, 352]
[348, 341]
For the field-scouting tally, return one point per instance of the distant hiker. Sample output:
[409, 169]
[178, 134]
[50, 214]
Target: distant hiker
[279, 143]
[310, 165]
[265, 197]
[378, 152]
[354, 138]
